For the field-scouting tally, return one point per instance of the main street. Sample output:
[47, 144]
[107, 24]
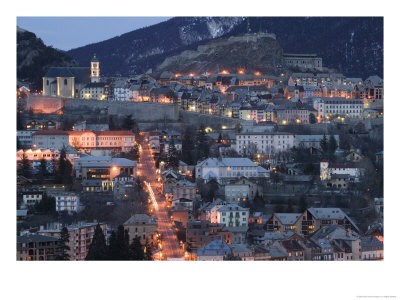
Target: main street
[153, 184]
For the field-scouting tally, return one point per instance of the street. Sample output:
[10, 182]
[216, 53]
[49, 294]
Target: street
[153, 183]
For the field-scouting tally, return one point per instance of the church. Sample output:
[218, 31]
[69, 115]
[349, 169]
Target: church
[75, 82]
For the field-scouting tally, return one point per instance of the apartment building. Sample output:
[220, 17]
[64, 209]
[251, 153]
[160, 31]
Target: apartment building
[265, 143]
[80, 236]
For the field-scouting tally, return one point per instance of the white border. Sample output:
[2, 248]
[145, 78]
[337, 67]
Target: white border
[191, 280]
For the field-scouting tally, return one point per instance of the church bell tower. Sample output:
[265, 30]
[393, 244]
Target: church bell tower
[94, 69]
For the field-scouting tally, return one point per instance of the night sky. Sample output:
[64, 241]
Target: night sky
[66, 33]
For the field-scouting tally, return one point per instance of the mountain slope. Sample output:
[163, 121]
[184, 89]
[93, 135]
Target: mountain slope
[34, 58]
[352, 45]
[261, 53]
[139, 50]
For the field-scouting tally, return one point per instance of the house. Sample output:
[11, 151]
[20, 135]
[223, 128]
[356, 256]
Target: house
[143, 226]
[346, 242]
[181, 214]
[214, 251]
[283, 222]
[314, 219]
[242, 251]
[291, 248]
[311, 140]
[230, 215]
[371, 248]
[37, 247]
[242, 189]
[260, 253]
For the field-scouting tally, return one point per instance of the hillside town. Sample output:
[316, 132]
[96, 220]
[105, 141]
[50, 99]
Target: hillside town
[233, 165]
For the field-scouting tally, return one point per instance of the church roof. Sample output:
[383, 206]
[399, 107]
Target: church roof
[81, 74]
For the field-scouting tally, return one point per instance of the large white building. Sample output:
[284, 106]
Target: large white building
[329, 107]
[266, 143]
[224, 168]
[230, 215]
[328, 169]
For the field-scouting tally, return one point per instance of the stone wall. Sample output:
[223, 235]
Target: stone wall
[215, 122]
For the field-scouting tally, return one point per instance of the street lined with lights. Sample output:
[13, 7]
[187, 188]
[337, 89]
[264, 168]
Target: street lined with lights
[147, 170]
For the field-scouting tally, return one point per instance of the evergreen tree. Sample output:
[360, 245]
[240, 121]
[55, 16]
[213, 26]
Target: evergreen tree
[203, 147]
[136, 251]
[64, 172]
[122, 243]
[47, 205]
[187, 147]
[63, 245]
[312, 119]
[130, 124]
[42, 169]
[172, 156]
[98, 247]
[112, 252]
[332, 145]
[25, 165]
[324, 144]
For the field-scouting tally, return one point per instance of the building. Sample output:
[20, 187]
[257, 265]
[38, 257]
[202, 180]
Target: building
[346, 243]
[80, 236]
[214, 251]
[31, 198]
[283, 222]
[339, 175]
[94, 90]
[311, 140]
[55, 139]
[230, 215]
[222, 169]
[184, 189]
[98, 172]
[201, 232]
[68, 82]
[37, 247]
[143, 226]
[118, 140]
[24, 138]
[291, 248]
[314, 219]
[293, 113]
[371, 248]
[303, 61]
[242, 189]
[328, 108]
[68, 202]
[264, 143]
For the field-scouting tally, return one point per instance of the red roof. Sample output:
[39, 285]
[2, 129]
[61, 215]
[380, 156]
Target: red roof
[114, 133]
[51, 132]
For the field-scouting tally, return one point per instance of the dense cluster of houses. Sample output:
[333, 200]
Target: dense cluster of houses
[262, 98]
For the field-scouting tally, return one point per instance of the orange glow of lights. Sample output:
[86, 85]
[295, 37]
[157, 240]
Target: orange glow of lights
[224, 72]
[191, 74]
[257, 73]
[241, 71]
[177, 75]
